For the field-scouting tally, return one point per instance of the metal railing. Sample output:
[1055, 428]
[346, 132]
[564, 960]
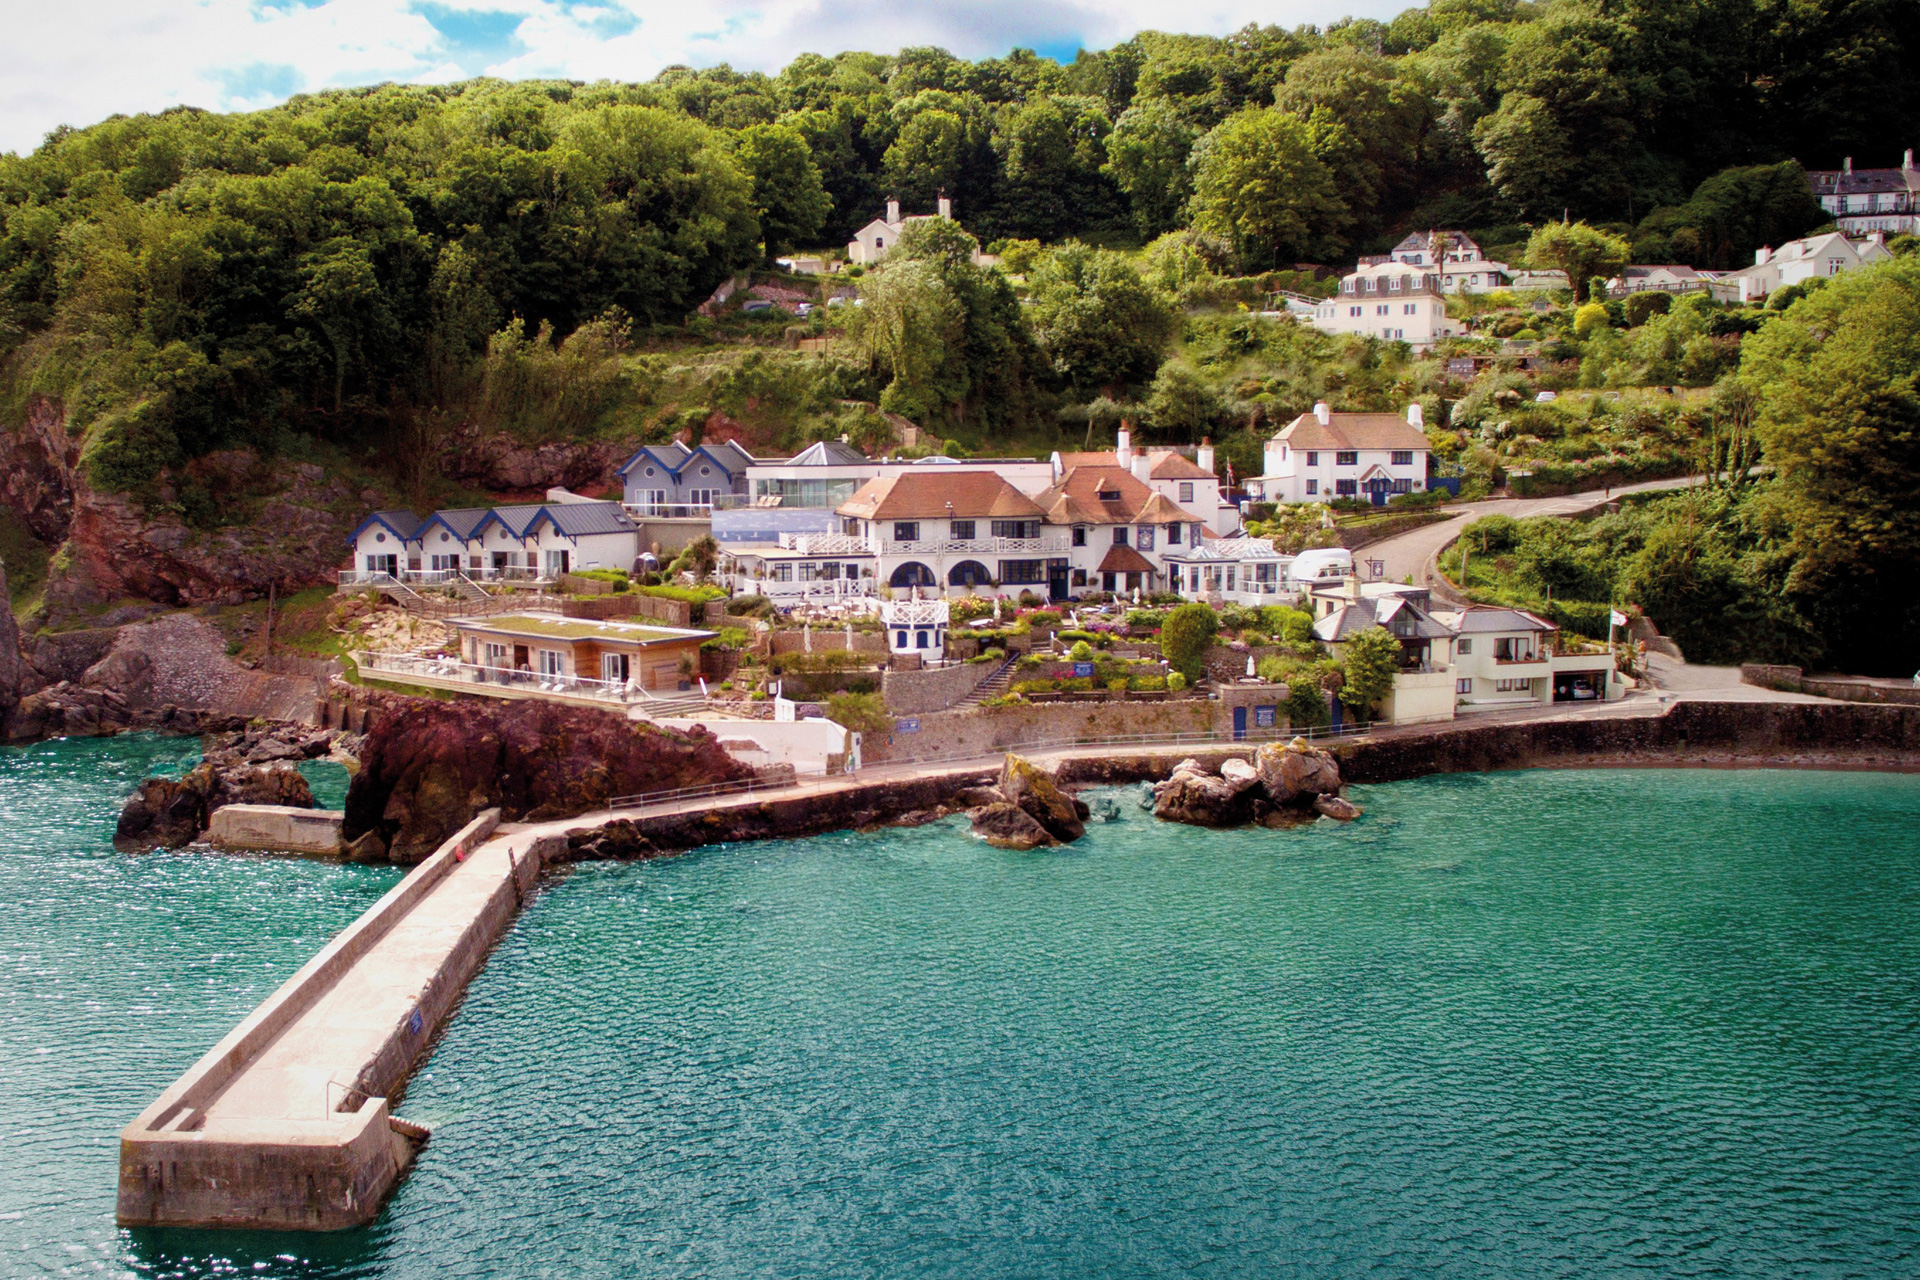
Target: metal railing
[452, 671]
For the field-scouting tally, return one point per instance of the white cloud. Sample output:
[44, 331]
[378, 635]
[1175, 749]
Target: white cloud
[78, 61]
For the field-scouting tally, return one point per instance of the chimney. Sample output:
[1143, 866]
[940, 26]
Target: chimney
[893, 212]
[1416, 416]
[1123, 449]
[1848, 167]
[1762, 256]
[1323, 413]
[1203, 457]
[945, 206]
[1142, 468]
[1906, 163]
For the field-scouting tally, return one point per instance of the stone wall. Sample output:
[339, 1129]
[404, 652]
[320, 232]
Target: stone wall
[983, 730]
[915, 692]
[1841, 688]
[824, 639]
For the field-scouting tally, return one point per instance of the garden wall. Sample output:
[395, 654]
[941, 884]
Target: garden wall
[1842, 688]
[913, 692]
[823, 639]
[982, 730]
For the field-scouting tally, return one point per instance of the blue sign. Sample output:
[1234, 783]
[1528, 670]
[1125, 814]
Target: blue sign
[1081, 669]
[910, 725]
[1263, 717]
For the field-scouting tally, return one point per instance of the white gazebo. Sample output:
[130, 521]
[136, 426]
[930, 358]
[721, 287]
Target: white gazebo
[916, 626]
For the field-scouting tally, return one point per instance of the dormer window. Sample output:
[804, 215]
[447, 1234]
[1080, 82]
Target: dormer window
[1109, 495]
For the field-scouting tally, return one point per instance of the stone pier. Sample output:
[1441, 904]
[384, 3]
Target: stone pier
[286, 1123]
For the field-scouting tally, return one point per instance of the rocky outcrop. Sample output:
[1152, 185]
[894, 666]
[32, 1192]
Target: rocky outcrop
[13, 666]
[426, 769]
[1283, 786]
[246, 767]
[112, 548]
[1025, 810]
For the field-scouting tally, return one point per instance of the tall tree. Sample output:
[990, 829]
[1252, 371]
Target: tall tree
[1102, 326]
[788, 196]
[1583, 252]
[1258, 183]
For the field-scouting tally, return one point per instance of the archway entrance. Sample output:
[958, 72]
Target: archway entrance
[969, 573]
[912, 574]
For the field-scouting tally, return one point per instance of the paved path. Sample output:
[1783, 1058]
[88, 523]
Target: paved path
[1410, 553]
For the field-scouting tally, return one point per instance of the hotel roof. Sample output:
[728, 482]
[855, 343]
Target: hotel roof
[938, 494]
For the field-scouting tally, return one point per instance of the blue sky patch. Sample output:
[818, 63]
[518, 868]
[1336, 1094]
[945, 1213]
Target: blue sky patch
[260, 80]
[475, 38]
[1061, 51]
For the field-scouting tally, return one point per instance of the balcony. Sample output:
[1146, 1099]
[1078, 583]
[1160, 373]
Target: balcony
[976, 548]
[466, 677]
[671, 510]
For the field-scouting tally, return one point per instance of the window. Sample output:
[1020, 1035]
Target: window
[1354, 310]
[1313, 458]
[1513, 649]
[614, 668]
[444, 563]
[1380, 310]
[1145, 540]
[1173, 535]
[879, 242]
[1347, 458]
[1186, 491]
[1193, 536]
[899, 639]
[1463, 646]
[920, 638]
[496, 654]
[906, 531]
[1079, 535]
[1016, 528]
[962, 531]
[1521, 685]
[1120, 535]
[552, 662]
[1345, 488]
[1463, 686]
[1408, 309]
[1023, 571]
[1079, 577]
[782, 572]
[1313, 487]
[1403, 457]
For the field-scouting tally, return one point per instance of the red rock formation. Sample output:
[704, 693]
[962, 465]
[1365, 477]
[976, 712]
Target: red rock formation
[428, 768]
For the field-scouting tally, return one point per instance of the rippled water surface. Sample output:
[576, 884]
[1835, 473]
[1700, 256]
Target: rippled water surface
[1511, 1025]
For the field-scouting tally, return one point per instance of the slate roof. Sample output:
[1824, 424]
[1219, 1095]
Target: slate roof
[459, 521]
[1354, 431]
[1860, 182]
[583, 519]
[404, 524]
[939, 494]
[1480, 619]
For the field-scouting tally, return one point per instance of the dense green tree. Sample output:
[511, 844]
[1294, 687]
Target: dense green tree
[1583, 252]
[1185, 636]
[1258, 183]
[1052, 183]
[789, 198]
[1147, 158]
[1102, 326]
[1729, 216]
[1369, 660]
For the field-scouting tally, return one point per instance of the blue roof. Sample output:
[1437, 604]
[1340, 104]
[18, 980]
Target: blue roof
[404, 525]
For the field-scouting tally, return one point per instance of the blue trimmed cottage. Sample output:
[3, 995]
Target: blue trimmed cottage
[660, 478]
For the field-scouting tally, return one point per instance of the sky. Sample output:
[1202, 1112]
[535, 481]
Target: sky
[77, 62]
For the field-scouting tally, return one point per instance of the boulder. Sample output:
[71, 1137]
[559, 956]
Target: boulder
[1033, 789]
[1296, 772]
[368, 848]
[977, 797]
[1336, 807]
[1008, 826]
[162, 813]
[619, 839]
[1240, 773]
[428, 768]
[1194, 796]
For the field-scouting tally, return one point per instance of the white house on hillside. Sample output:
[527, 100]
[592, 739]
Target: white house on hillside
[1798, 261]
[1389, 301]
[1868, 200]
[1191, 483]
[1462, 266]
[1119, 527]
[1660, 278]
[872, 243]
[934, 529]
[1324, 455]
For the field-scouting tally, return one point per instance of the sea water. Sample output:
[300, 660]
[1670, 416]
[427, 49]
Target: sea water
[1553, 1023]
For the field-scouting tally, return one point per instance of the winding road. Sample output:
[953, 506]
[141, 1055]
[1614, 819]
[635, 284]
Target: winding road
[1412, 553]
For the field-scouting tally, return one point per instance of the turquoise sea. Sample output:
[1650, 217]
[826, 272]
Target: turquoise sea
[1581, 1023]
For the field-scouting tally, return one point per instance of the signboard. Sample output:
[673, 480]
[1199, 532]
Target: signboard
[1265, 717]
[1460, 366]
[910, 724]
[1083, 670]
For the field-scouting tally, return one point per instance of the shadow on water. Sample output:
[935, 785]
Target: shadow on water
[283, 1255]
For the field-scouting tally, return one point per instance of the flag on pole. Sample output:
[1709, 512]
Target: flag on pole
[1617, 619]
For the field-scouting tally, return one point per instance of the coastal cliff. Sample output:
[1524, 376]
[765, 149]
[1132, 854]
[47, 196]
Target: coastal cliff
[428, 767]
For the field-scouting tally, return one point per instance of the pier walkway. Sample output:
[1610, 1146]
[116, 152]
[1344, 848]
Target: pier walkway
[287, 1121]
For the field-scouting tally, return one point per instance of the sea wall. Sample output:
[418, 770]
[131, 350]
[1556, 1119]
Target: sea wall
[980, 730]
[276, 827]
[1841, 688]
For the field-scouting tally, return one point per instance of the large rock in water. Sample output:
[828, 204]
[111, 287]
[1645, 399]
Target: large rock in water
[1008, 826]
[1296, 772]
[166, 813]
[426, 771]
[1033, 789]
[1194, 796]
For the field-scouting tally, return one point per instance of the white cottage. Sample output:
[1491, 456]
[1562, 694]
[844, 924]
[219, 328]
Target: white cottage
[1324, 455]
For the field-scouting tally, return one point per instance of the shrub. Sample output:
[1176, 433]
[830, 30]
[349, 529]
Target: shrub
[1028, 600]
[690, 595]
[750, 607]
[1081, 651]
[1175, 681]
[1147, 684]
[1185, 637]
[1370, 661]
[970, 608]
[864, 713]
[1307, 706]
[1117, 685]
[1149, 618]
[1642, 307]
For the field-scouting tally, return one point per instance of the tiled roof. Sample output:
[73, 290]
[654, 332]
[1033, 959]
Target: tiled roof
[1354, 431]
[1379, 611]
[1076, 499]
[938, 494]
[1121, 559]
[1168, 465]
[1484, 618]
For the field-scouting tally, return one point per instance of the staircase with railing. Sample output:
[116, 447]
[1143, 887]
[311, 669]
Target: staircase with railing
[994, 686]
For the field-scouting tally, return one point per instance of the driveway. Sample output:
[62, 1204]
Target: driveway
[1408, 554]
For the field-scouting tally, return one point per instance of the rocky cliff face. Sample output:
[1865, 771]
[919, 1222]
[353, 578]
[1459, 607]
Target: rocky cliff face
[13, 666]
[110, 548]
[427, 769]
[496, 460]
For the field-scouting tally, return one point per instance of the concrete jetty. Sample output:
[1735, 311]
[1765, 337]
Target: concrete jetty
[287, 1122]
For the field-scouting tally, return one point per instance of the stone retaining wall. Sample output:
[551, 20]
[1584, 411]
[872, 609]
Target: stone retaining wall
[1794, 680]
[982, 730]
[916, 692]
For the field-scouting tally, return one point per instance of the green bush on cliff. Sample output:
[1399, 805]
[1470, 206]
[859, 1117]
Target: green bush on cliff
[1185, 636]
